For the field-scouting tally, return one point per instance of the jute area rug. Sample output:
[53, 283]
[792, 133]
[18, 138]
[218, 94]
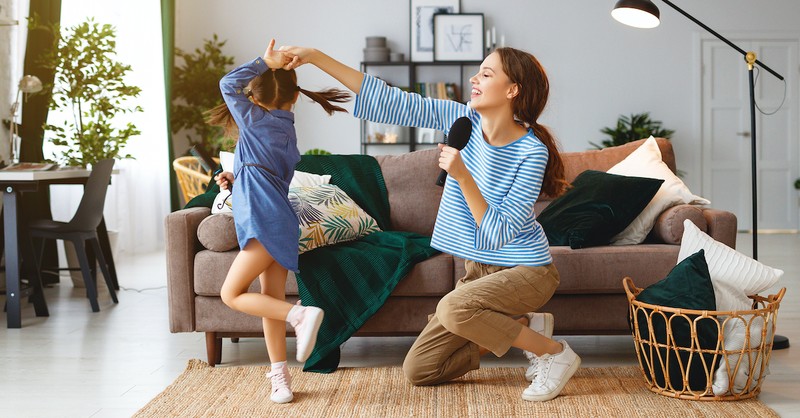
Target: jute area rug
[203, 391]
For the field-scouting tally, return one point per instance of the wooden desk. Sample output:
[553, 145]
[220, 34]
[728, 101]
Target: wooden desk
[12, 183]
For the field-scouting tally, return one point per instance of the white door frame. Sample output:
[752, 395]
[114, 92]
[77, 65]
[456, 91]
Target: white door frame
[697, 85]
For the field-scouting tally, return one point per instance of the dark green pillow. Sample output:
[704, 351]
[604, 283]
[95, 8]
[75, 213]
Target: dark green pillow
[205, 199]
[597, 207]
[687, 286]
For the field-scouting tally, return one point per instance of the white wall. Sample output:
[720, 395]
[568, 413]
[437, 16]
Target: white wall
[12, 50]
[598, 68]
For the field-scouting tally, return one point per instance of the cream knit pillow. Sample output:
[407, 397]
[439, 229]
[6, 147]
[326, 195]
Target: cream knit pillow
[646, 161]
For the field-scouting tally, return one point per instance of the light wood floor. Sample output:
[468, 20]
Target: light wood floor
[109, 364]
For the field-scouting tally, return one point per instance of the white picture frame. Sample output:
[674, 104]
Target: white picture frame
[458, 37]
[422, 12]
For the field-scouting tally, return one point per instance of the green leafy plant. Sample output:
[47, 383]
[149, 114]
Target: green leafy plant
[317, 151]
[195, 90]
[90, 86]
[632, 128]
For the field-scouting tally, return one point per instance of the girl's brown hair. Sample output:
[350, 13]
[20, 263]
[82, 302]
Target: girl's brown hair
[274, 89]
[533, 89]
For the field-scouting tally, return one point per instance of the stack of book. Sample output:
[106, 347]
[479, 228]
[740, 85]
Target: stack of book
[438, 90]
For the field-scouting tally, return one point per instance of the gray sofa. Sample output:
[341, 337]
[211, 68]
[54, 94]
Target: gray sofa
[590, 299]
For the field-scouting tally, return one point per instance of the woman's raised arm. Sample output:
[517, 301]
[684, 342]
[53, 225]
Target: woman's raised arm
[350, 77]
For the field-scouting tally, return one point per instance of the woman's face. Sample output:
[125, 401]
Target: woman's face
[491, 87]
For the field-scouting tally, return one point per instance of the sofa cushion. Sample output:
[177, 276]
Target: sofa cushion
[413, 195]
[218, 233]
[597, 207]
[687, 286]
[328, 216]
[600, 270]
[603, 159]
[646, 162]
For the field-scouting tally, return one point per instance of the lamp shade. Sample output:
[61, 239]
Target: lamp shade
[637, 13]
[30, 84]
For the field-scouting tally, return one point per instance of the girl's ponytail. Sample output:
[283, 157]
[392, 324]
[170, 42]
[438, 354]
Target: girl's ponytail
[220, 115]
[325, 97]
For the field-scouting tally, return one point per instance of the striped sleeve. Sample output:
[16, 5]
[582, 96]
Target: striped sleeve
[232, 87]
[503, 222]
[380, 103]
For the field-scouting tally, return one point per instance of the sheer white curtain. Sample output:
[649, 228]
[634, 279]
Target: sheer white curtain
[138, 198]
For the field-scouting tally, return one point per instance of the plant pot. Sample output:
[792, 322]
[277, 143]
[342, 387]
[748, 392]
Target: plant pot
[73, 263]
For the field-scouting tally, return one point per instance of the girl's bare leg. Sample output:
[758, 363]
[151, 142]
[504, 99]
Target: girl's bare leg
[252, 261]
[273, 284]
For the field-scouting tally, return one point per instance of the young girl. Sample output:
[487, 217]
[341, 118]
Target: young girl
[259, 97]
[485, 216]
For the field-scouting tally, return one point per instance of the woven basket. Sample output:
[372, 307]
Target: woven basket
[192, 178]
[659, 353]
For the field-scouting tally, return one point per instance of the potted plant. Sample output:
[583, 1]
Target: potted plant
[90, 87]
[195, 89]
[632, 128]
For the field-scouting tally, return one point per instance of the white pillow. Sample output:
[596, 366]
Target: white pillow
[222, 203]
[646, 161]
[733, 274]
[735, 333]
[303, 179]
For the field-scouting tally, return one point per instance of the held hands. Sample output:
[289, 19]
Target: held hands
[450, 161]
[299, 55]
[276, 59]
[224, 179]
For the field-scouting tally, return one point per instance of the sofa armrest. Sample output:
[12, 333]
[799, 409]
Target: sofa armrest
[180, 231]
[721, 226]
[718, 224]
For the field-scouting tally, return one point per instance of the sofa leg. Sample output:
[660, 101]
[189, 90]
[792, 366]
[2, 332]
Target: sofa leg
[213, 348]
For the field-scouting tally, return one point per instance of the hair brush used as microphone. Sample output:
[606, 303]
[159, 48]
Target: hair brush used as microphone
[457, 138]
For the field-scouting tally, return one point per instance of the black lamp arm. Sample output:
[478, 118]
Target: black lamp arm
[722, 38]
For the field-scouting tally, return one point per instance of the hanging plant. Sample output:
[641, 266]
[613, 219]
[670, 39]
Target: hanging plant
[632, 128]
[89, 86]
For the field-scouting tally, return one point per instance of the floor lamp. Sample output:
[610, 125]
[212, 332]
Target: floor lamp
[644, 14]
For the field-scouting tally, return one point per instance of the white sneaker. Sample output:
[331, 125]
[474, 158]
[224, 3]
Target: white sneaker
[553, 371]
[281, 385]
[542, 323]
[305, 329]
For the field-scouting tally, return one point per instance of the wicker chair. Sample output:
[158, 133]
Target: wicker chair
[192, 178]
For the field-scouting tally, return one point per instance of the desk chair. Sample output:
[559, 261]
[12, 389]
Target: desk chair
[82, 229]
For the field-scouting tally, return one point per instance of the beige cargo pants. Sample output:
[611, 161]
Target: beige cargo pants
[477, 313]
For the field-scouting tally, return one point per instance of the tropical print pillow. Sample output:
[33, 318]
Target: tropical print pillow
[328, 216]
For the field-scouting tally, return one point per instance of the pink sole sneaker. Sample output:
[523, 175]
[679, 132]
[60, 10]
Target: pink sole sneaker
[306, 331]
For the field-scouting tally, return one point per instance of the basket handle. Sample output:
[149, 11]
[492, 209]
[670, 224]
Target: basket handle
[776, 298]
[630, 289]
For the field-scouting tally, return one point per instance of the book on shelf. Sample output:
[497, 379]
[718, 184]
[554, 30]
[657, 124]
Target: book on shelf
[438, 90]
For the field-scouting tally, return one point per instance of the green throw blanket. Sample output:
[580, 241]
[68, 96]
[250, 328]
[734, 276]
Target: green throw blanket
[350, 281]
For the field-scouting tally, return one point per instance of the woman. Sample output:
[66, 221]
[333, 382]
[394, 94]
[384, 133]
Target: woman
[485, 216]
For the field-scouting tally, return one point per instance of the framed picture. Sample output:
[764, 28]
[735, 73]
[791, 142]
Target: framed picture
[458, 37]
[422, 12]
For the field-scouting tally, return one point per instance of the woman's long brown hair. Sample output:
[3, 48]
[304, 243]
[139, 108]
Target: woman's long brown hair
[527, 73]
[275, 89]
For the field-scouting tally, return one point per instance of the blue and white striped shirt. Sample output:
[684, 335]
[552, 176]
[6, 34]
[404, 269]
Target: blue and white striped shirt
[509, 178]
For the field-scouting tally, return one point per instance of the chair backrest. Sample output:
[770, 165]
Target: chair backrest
[90, 210]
